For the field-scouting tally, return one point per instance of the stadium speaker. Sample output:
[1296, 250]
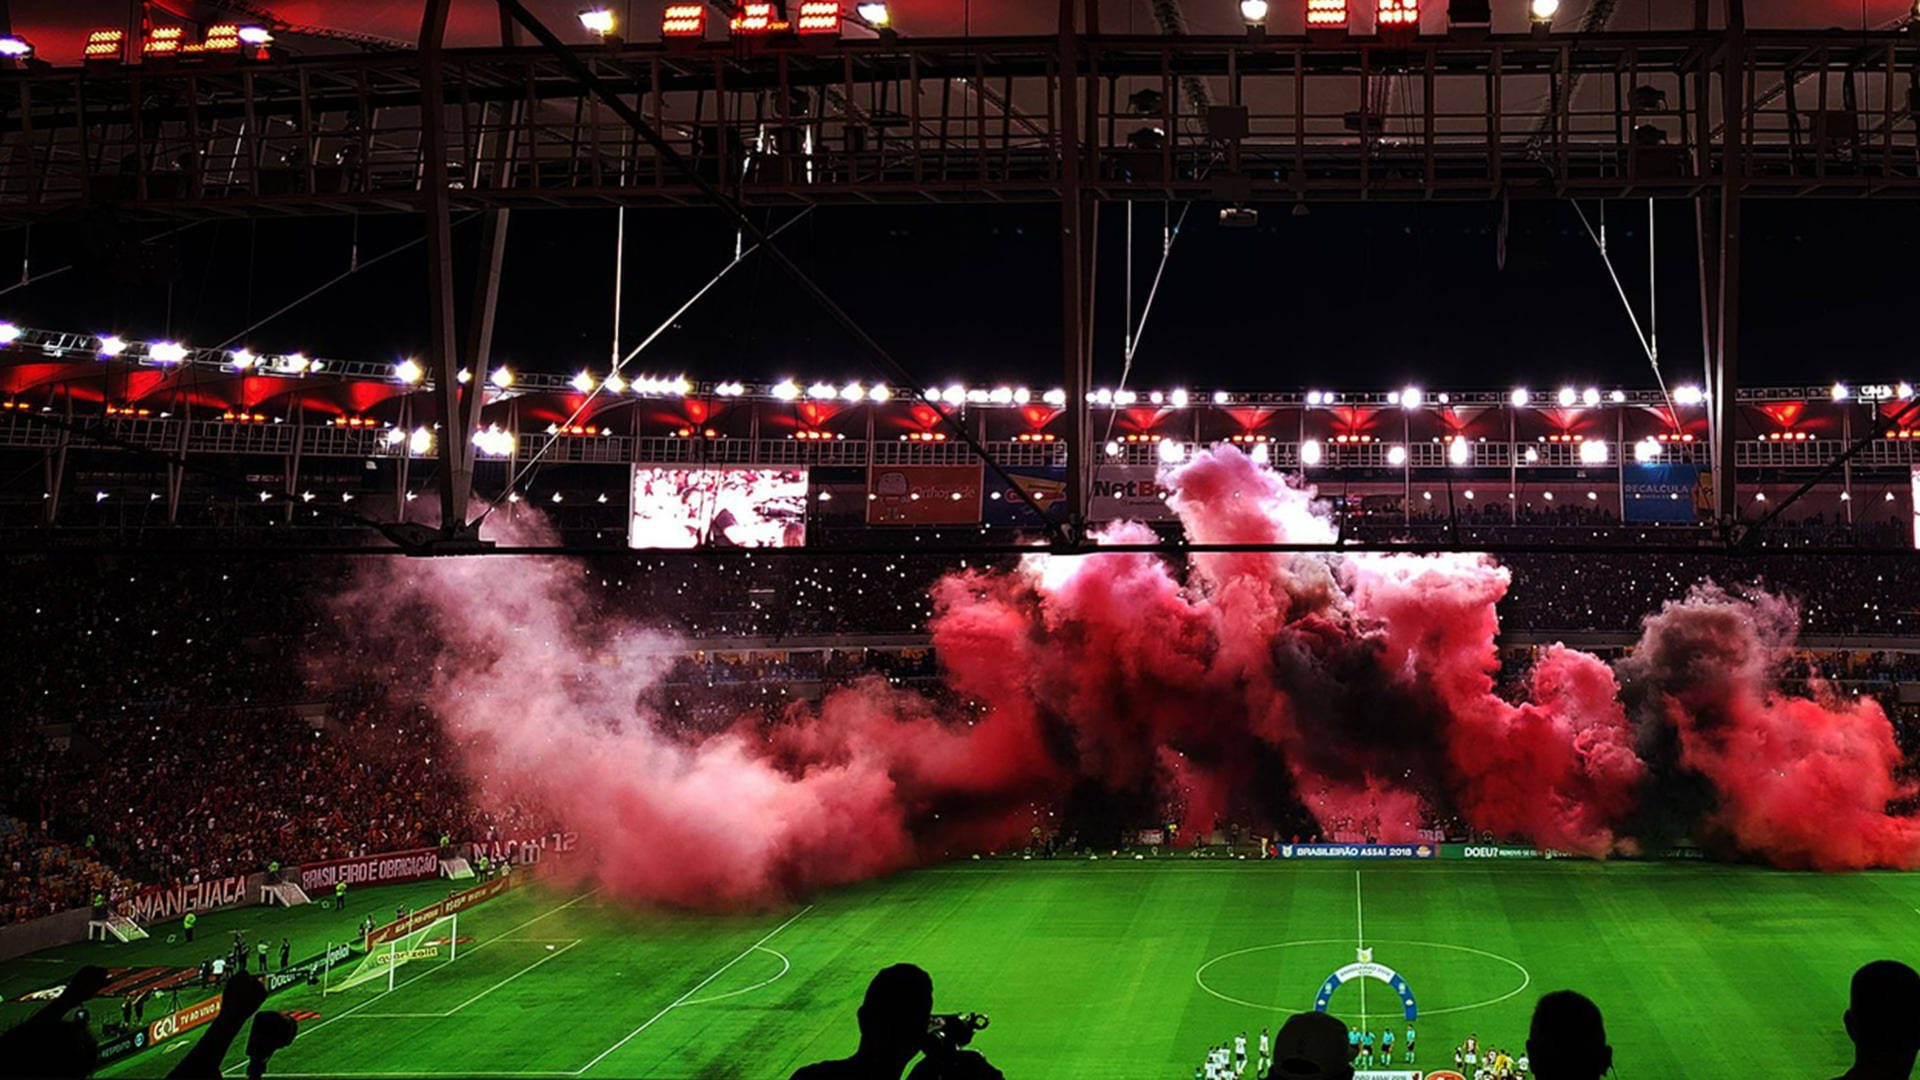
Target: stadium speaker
[1470, 13]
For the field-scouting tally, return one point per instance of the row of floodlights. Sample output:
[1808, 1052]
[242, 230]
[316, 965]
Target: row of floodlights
[1459, 451]
[412, 373]
[1333, 15]
[748, 18]
[110, 346]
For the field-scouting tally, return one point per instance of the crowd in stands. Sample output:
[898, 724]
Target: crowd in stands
[186, 798]
[44, 877]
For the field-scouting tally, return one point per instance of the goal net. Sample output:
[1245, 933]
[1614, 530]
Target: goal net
[437, 942]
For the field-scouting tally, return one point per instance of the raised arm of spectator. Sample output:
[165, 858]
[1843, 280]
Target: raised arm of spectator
[86, 982]
[243, 997]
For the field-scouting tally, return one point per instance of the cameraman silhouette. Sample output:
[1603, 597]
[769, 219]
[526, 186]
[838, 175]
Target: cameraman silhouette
[895, 1021]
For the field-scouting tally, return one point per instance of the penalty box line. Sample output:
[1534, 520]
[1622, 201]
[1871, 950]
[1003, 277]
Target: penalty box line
[443, 1015]
[232, 1069]
[696, 988]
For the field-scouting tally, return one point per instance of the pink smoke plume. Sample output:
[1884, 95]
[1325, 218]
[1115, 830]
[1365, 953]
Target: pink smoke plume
[1801, 781]
[1360, 687]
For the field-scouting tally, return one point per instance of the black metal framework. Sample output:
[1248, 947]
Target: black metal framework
[1715, 115]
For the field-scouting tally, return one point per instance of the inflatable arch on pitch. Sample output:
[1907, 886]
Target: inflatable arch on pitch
[1367, 969]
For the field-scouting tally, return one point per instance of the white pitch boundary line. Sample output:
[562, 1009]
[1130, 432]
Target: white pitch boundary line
[415, 1073]
[1360, 945]
[786, 965]
[443, 1015]
[696, 988]
[231, 1069]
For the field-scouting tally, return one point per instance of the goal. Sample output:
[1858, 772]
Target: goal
[438, 941]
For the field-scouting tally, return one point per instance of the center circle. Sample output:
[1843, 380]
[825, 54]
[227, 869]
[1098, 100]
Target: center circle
[1200, 973]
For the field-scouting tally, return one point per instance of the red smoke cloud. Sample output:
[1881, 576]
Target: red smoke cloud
[1801, 782]
[1359, 687]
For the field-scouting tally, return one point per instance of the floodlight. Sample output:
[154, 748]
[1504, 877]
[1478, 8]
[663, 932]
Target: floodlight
[597, 20]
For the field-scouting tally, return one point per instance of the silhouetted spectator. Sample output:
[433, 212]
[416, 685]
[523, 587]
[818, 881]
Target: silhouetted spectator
[47, 1044]
[1312, 1046]
[1568, 1040]
[271, 1032]
[238, 1002]
[1883, 1020]
[893, 1024]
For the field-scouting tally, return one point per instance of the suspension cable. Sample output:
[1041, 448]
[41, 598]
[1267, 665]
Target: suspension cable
[1647, 345]
[620, 362]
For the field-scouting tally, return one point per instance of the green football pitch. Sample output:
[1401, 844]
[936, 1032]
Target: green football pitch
[1091, 969]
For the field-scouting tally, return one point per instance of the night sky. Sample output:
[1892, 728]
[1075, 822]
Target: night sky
[1348, 296]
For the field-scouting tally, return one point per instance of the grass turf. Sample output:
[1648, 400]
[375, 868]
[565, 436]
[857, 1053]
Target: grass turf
[1109, 969]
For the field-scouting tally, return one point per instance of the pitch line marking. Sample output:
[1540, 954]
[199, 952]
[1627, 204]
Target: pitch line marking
[1526, 977]
[682, 999]
[1360, 944]
[443, 1015]
[785, 966]
[231, 1069]
[415, 1073]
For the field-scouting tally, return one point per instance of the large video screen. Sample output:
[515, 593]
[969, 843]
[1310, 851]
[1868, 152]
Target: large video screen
[684, 508]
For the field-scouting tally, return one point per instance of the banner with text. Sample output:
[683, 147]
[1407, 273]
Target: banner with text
[1489, 851]
[1128, 493]
[392, 868]
[163, 902]
[307, 969]
[1047, 484]
[526, 849]
[183, 1020]
[1358, 851]
[1663, 493]
[923, 494]
[458, 902]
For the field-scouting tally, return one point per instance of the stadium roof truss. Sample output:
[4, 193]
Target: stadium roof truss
[1716, 114]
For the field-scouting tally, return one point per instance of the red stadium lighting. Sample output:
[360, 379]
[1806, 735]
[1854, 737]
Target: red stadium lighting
[105, 47]
[684, 20]
[1397, 13]
[220, 38]
[1326, 14]
[162, 41]
[757, 17]
[819, 17]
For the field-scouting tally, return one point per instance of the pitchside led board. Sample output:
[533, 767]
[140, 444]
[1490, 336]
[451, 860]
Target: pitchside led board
[923, 494]
[1913, 489]
[685, 508]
